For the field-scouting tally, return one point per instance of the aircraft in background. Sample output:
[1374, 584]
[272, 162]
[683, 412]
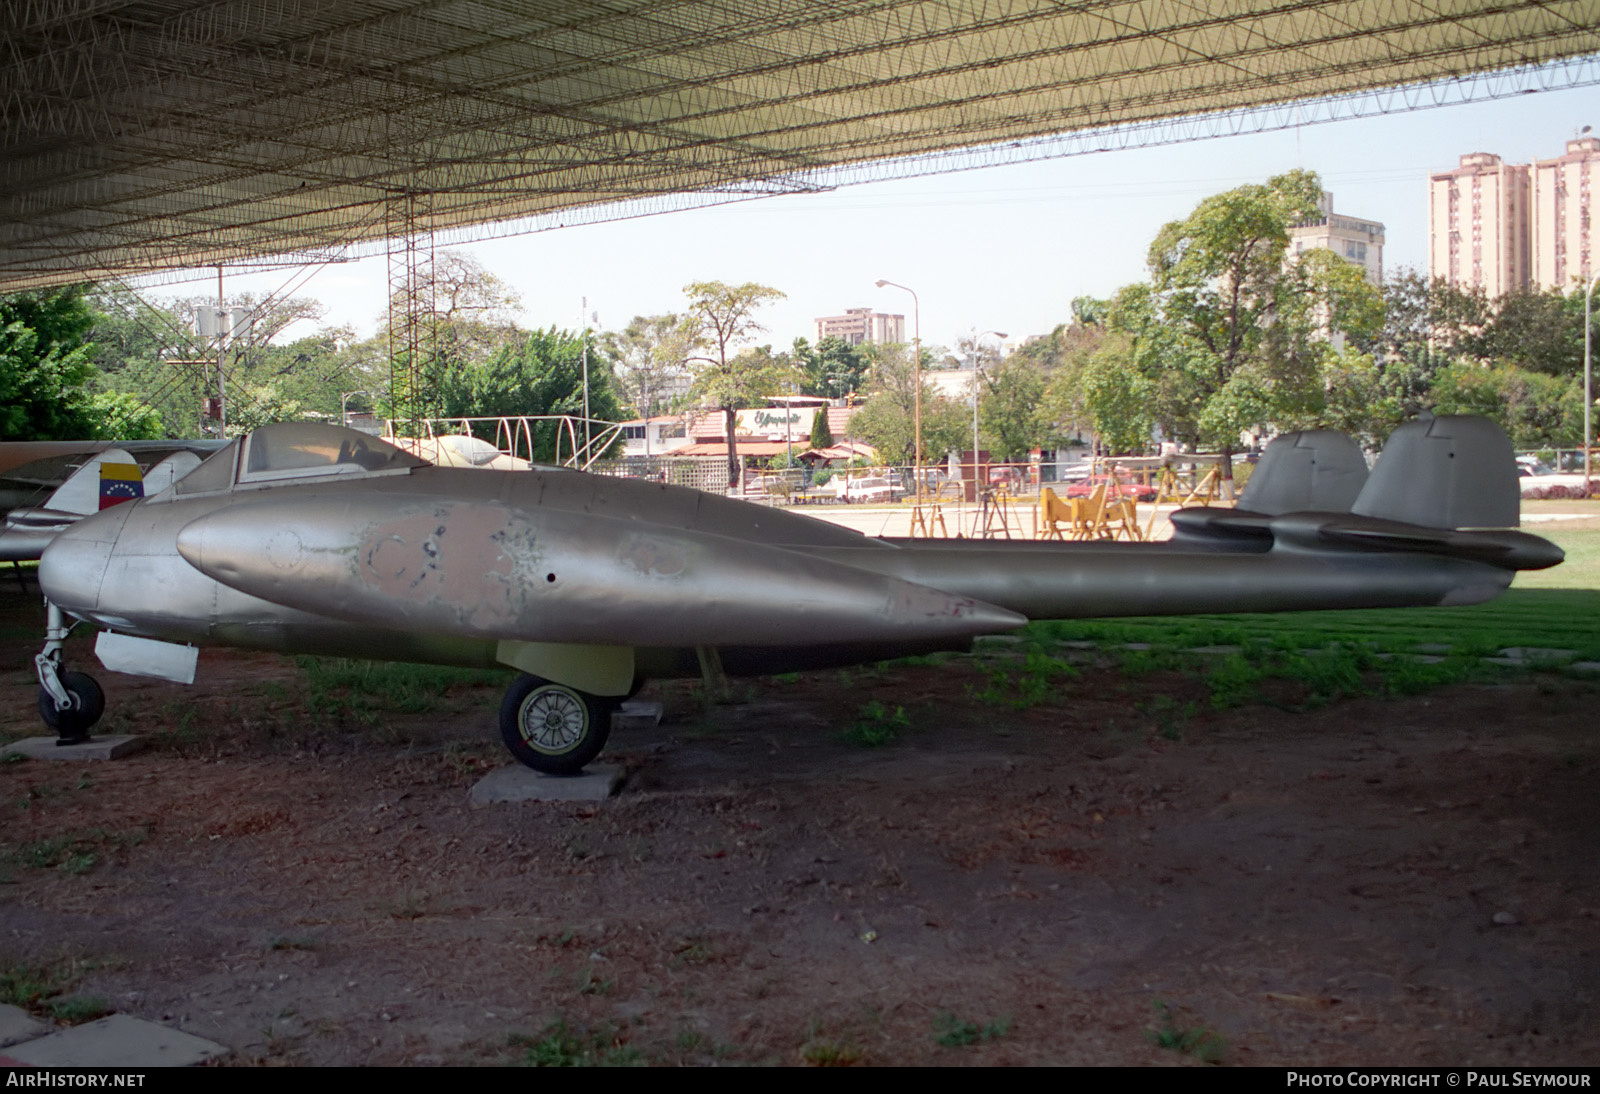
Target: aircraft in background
[318, 539]
[108, 477]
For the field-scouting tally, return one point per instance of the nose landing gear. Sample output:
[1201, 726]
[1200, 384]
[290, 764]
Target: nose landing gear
[69, 702]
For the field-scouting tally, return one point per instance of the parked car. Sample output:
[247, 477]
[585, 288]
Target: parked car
[1122, 486]
[872, 489]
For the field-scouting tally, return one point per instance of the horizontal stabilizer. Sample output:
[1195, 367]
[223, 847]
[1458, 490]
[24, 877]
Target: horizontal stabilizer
[1455, 471]
[1503, 548]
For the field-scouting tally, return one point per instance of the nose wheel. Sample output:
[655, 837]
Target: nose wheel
[69, 702]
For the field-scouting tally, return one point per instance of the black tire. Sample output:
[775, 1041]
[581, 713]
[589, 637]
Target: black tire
[554, 728]
[88, 703]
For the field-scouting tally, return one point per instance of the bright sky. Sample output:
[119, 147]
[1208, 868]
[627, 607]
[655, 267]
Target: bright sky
[1002, 248]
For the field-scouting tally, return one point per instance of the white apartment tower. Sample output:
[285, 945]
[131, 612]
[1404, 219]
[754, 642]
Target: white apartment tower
[1566, 200]
[1478, 224]
[1351, 238]
[858, 325]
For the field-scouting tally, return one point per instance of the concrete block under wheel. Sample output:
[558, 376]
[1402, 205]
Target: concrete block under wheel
[117, 1041]
[637, 714]
[516, 783]
[17, 1024]
[95, 748]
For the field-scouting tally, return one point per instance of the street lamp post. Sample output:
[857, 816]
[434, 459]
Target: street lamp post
[916, 383]
[976, 340]
[1588, 378]
[344, 398]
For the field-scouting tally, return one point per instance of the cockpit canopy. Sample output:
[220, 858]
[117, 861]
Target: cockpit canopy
[295, 450]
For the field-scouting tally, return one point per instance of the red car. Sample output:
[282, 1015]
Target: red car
[1122, 486]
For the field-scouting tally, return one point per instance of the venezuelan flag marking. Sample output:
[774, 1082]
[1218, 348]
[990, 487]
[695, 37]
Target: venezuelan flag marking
[119, 482]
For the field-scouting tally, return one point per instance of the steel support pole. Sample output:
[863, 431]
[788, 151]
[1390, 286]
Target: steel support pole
[1588, 379]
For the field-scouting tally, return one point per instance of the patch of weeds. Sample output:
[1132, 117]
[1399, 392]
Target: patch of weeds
[692, 951]
[294, 942]
[342, 689]
[77, 1009]
[1136, 663]
[1170, 718]
[590, 984]
[177, 726]
[72, 854]
[876, 725]
[845, 678]
[786, 678]
[1197, 1041]
[12, 758]
[953, 1032]
[1335, 672]
[1234, 682]
[1037, 682]
[1408, 676]
[408, 904]
[826, 1053]
[559, 1045]
[26, 985]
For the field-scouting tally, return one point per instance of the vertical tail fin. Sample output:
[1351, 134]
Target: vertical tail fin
[1456, 471]
[1319, 470]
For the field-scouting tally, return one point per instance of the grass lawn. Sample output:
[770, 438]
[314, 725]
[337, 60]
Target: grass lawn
[1557, 608]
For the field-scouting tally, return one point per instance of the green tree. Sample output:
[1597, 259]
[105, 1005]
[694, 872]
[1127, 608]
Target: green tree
[650, 353]
[45, 365]
[542, 375]
[1119, 396]
[1231, 334]
[1011, 411]
[887, 420]
[832, 369]
[821, 434]
[1535, 409]
[719, 319]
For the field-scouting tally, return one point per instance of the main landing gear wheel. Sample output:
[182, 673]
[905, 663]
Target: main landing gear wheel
[88, 703]
[554, 728]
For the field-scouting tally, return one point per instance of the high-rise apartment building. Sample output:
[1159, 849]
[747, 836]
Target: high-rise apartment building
[1478, 224]
[1566, 199]
[858, 325]
[1351, 238]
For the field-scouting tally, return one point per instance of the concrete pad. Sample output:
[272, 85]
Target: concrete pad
[1509, 662]
[1584, 666]
[637, 714]
[516, 783]
[17, 1024]
[95, 748]
[117, 1041]
[1534, 653]
[1433, 647]
[1214, 651]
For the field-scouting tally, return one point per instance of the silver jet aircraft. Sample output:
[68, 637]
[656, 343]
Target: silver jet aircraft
[317, 539]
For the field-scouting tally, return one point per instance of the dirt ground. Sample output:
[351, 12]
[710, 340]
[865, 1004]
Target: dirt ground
[1093, 880]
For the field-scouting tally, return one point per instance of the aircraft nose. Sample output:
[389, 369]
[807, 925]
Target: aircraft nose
[73, 566]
